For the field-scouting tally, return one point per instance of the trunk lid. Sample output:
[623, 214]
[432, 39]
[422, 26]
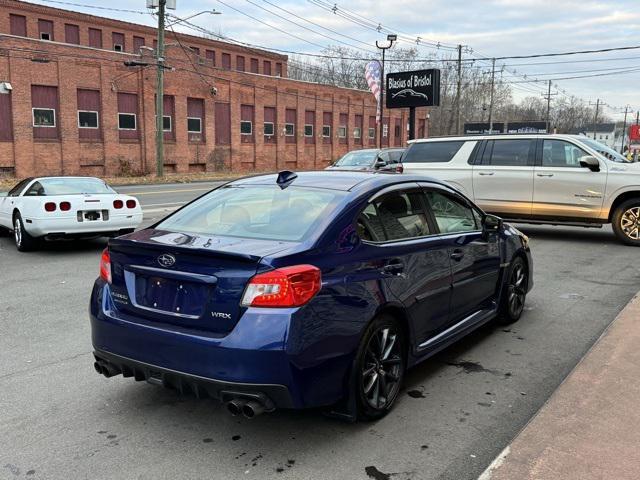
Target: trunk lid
[187, 280]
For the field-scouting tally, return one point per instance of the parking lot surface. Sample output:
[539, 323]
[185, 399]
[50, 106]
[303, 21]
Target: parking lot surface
[60, 420]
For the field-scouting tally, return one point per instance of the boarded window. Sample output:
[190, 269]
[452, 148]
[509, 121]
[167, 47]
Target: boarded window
[240, 63]
[45, 30]
[327, 123]
[127, 115]
[270, 123]
[44, 103]
[290, 125]
[246, 123]
[255, 65]
[371, 133]
[195, 50]
[357, 130]
[95, 38]
[309, 127]
[138, 42]
[169, 120]
[6, 126]
[223, 123]
[226, 61]
[18, 25]
[397, 132]
[211, 57]
[421, 128]
[195, 119]
[266, 67]
[278, 69]
[71, 34]
[117, 39]
[89, 126]
[343, 128]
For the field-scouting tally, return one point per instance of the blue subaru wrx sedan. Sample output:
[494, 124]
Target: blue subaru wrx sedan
[310, 290]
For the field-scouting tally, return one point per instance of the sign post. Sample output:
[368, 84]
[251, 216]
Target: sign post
[419, 88]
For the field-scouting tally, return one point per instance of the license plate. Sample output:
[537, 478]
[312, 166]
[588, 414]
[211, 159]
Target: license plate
[170, 295]
[91, 216]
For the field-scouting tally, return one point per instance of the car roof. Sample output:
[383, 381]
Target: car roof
[501, 136]
[344, 180]
[56, 177]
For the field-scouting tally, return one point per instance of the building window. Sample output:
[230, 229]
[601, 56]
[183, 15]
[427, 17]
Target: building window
[18, 25]
[372, 132]
[385, 130]
[278, 69]
[226, 61]
[266, 67]
[342, 131]
[268, 129]
[87, 119]
[138, 43]
[326, 131]
[44, 36]
[166, 123]
[289, 129]
[95, 38]
[308, 130]
[240, 63]
[246, 127]
[194, 125]
[117, 39]
[117, 47]
[45, 29]
[126, 121]
[211, 57]
[254, 65]
[6, 124]
[71, 34]
[44, 117]
[357, 132]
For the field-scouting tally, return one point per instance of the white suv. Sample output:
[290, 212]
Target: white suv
[553, 179]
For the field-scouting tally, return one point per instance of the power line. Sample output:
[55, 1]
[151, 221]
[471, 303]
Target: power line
[110, 9]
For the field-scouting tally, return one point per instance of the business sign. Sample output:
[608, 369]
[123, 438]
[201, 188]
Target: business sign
[634, 133]
[420, 88]
[482, 128]
[527, 127]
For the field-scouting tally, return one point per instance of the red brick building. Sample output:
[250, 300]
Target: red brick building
[69, 105]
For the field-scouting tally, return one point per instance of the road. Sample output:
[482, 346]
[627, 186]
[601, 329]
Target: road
[60, 420]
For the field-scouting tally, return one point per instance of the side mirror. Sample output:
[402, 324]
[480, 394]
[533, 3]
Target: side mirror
[491, 223]
[590, 162]
[379, 163]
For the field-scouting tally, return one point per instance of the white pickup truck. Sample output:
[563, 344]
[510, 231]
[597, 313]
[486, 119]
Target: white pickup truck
[537, 178]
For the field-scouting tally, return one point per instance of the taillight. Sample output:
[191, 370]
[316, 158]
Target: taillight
[50, 207]
[131, 204]
[105, 266]
[118, 204]
[65, 206]
[283, 287]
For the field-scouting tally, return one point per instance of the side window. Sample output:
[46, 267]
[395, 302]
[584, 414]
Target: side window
[384, 156]
[432, 152]
[35, 190]
[369, 225]
[15, 191]
[509, 153]
[558, 153]
[394, 156]
[451, 215]
[402, 215]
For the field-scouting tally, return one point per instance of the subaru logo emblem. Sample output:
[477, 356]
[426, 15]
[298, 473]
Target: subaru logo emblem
[166, 260]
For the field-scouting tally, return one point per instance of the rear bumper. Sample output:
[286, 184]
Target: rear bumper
[268, 394]
[70, 226]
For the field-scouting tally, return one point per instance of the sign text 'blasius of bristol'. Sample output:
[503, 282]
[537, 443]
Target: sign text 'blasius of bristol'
[420, 88]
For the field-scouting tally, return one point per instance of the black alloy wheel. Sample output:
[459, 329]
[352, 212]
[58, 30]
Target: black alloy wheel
[514, 292]
[381, 366]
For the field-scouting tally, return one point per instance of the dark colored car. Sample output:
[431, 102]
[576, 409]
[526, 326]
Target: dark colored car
[309, 290]
[370, 159]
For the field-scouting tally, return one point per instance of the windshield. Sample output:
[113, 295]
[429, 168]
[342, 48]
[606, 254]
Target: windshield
[68, 186]
[602, 149]
[257, 212]
[363, 158]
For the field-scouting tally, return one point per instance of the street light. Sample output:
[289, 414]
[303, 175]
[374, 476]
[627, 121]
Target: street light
[180, 20]
[392, 37]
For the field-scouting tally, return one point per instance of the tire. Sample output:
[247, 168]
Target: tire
[379, 368]
[514, 292]
[24, 242]
[626, 222]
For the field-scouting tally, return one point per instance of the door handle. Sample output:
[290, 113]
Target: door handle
[393, 268]
[457, 255]
[545, 174]
[485, 173]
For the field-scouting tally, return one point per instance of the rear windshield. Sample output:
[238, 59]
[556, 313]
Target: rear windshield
[68, 186]
[431, 152]
[357, 159]
[258, 212]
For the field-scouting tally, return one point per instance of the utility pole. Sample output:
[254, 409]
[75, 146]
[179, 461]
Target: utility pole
[548, 98]
[595, 118]
[390, 38]
[493, 75]
[458, 90]
[627, 110]
[160, 92]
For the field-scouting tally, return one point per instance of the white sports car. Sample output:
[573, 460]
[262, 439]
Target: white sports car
[66, 207]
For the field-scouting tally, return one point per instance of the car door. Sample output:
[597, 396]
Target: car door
[9, 202]
[414, 262]
[475, 256]
[562, 187]
[503, 177]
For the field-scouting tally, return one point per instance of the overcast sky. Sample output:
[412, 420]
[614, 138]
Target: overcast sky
[489, 27]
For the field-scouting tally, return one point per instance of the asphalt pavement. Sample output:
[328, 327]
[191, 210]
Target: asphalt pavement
[60, 420]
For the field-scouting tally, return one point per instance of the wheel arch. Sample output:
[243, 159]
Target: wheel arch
[623, 197]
